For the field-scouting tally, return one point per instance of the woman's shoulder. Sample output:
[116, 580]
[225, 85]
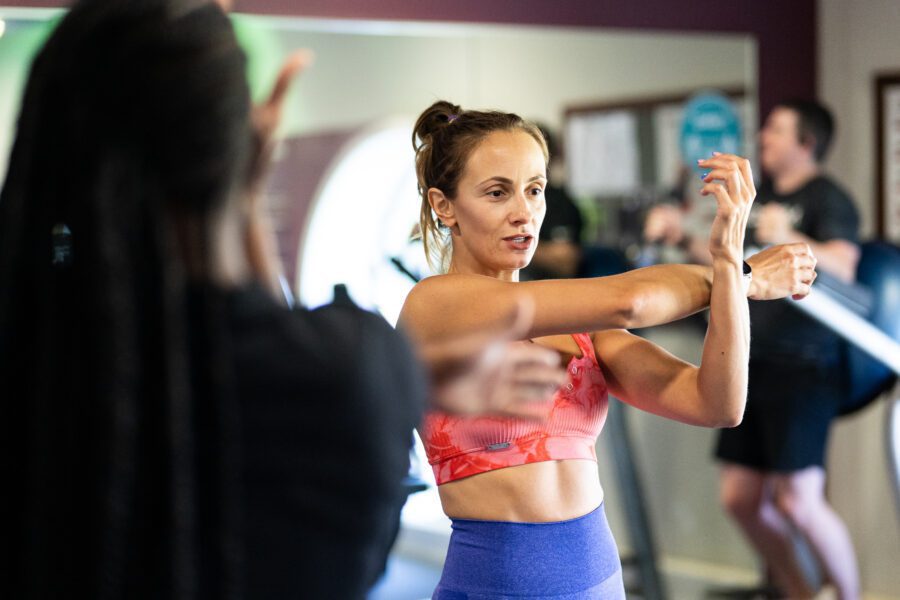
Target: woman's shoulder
[445, 281]
[449, 286]
[445, 296]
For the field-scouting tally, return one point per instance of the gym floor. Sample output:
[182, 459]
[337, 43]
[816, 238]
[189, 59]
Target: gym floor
[410, 579]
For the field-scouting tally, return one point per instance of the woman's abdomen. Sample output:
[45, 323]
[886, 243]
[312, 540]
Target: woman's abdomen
[540, 492]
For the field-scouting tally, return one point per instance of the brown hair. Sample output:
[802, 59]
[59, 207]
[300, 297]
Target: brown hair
[444, 137]
[814, 124]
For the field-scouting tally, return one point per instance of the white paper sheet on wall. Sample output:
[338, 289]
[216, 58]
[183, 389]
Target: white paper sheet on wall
[602, 153]
[666, 130]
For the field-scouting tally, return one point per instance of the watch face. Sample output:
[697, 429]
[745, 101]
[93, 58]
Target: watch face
[361, 222]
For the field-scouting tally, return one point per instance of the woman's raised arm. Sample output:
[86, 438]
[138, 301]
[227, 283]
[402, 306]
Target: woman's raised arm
[447, 305]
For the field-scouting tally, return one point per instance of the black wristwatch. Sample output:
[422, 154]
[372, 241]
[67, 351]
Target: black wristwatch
[748, 276]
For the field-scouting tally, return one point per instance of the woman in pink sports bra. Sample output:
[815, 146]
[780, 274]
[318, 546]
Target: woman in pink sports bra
[523, 495]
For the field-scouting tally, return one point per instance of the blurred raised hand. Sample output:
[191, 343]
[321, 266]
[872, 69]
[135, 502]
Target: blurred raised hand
[495, 372]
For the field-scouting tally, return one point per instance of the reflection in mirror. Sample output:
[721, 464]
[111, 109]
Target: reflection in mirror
[343, 189]
[373, 76]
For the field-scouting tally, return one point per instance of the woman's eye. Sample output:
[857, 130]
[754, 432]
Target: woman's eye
[537, 191]
[495, 193]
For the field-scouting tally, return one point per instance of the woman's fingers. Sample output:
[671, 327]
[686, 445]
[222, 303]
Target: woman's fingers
[801, 292]
[539, 376]
[268, 114]
[806, 273]
[521, 355]
[530, 376]
[723, 198]
[734, 182]
[735, 172]
[295, 64]
[528, 401]
[806, 260]
[731, 162]
[520, 320]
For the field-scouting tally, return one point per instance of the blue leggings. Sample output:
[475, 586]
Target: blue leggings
[567, 560]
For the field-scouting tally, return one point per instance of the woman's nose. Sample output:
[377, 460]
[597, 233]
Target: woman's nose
[522, 210]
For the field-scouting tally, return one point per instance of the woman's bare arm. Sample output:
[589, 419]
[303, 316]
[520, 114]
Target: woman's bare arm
[448, 305]
[715, 393]
[712, 395]
[648, 377]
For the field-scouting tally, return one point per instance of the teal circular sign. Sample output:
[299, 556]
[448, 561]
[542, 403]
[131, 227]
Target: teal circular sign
[711, 124]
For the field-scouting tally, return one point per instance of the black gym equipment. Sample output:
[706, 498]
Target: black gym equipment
[879, 273]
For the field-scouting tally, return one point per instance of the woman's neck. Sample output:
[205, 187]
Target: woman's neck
[471, 267]
[230, 265]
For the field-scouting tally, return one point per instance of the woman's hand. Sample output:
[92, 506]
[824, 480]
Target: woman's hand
[782, 271]
[259, 237]
[730, 180]
[266, 117]
[492, 373]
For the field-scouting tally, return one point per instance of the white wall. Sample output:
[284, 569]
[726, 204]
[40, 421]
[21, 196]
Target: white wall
[533, 71]
[857, 40]
[366, 71]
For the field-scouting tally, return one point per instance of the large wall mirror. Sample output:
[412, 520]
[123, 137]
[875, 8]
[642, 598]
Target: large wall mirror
[354, 110]
[343, 191]
[344, 186]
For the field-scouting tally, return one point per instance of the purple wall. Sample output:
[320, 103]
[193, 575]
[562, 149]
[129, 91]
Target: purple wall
[785, 31]
[294, 180]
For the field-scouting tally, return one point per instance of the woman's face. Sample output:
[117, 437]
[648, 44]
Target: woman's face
[499, 206]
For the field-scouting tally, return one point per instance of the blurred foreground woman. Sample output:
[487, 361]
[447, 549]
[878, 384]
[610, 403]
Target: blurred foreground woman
[169, 429]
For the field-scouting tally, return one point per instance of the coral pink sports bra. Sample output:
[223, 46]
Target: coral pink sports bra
[458, 447]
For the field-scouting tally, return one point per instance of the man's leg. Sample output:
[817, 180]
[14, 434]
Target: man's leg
[747, 496]
[800, 497]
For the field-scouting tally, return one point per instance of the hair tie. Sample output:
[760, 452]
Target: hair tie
[451, 118]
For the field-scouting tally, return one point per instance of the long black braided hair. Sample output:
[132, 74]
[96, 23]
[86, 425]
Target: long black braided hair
[119, 437]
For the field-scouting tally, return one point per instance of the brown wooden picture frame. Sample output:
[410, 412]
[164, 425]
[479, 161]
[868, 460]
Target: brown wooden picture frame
[887, 192]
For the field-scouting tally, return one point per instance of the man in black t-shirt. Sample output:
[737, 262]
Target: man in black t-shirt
[773, 477]
[559, 253]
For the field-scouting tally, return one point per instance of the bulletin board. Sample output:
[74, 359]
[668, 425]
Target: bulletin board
[619, 147]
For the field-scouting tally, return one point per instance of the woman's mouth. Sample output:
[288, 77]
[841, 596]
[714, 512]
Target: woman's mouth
[519, 242]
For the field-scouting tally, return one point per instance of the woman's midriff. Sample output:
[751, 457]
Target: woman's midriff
[542, 492]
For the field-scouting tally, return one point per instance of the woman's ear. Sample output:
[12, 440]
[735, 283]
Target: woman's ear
[442, 207]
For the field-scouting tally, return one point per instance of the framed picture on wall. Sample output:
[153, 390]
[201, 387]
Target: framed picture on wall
[887, 140]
